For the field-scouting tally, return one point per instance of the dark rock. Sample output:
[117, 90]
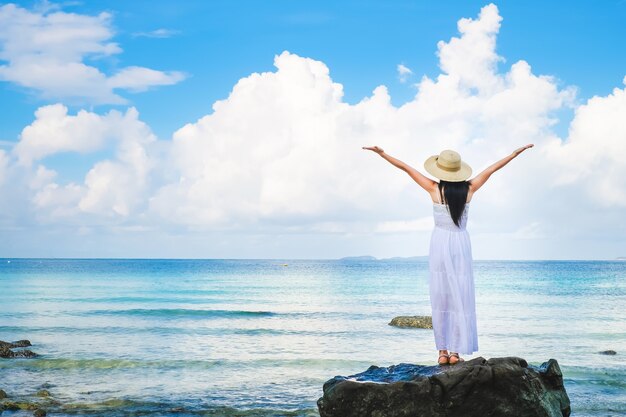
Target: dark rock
[608, 352]
[19, 343]
[7, 353]
[39, 413]
[43, 393]
[498, 387]
[18, 405]
[3, 394]
[24, 354]
[9, 405]
[419, 322]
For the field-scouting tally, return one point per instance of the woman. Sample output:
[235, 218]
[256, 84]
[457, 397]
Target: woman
[451, 279]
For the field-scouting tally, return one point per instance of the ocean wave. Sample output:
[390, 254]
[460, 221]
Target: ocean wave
[42, 363]
[178, 312]
[164, 330]
[118, 407]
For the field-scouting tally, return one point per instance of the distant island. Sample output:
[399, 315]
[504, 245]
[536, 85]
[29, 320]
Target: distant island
[621, 258]
[373, 258]
[358, 258]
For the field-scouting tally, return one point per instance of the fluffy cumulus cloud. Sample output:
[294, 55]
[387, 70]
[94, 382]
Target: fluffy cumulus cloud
[112, 188]
[593, 155]
[282, 155]
[45, 50]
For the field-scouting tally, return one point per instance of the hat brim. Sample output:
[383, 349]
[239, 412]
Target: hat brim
[453, 176]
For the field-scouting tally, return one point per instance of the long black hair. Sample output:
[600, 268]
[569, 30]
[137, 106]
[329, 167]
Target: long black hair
[455, 197]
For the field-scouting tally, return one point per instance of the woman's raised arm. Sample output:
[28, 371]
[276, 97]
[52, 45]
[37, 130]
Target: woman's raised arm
[423, 181]
[480, 179]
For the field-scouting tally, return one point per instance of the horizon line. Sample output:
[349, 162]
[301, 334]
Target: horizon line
[369, 258]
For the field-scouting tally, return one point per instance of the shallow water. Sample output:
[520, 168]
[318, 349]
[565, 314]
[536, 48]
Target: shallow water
[257, 338]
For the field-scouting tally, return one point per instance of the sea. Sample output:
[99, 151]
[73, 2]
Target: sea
[236, 337]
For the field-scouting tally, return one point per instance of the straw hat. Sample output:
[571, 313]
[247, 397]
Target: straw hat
[448, 166]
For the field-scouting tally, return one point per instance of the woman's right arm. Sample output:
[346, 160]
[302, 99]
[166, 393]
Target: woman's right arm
[480, 179]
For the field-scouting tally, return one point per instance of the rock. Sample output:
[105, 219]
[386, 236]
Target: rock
[3, 394]
[39, 413]
[18, 405]
[43, 393]
[420, 322]
[24, 354]
[608, 352]
[9, 405]
[7, 353]
[498, 387]
[19, 343]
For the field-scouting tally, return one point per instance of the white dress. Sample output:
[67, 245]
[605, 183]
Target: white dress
[451, 283]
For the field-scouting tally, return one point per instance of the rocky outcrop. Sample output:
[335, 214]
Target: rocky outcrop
[6, 349]
[498, 387]
[418, 322]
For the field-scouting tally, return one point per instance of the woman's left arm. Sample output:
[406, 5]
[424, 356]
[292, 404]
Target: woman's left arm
[423, 181]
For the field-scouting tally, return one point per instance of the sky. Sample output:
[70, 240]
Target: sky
[233, 129]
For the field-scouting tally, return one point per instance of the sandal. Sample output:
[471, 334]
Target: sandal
[456, 355]
[443, 355]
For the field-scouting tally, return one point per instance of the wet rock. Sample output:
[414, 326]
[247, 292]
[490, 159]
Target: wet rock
[498, 387]
[7, 352]
[43, 393]
[608, 352]
[19, 343]
[419, 322]
[3, 394]
[39, 413]
[18, 405]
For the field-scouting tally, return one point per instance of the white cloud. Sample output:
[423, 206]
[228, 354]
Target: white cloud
[45, 51]
[282, 155]
[118, 187]
[4, 162]
[114, 187]
[593, 155]
[54, 131]
[403, 72]
[472, 57]
[422, 224]
[157, 33]
[140, 79]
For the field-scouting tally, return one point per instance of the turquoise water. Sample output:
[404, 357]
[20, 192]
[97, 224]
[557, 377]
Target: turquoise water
[258, 338]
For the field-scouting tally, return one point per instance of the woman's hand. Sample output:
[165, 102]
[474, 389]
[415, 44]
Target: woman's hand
[424, 182]
[375, 149]
[480, 179]
[522, 149]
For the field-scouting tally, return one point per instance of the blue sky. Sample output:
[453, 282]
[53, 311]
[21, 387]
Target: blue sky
[218, 42]
[205, 48]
